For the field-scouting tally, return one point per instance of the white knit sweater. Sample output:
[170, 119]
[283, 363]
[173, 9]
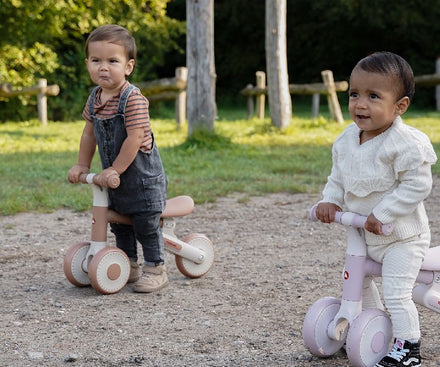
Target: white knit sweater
[389, 176]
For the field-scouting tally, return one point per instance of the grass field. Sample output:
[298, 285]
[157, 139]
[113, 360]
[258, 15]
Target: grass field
[248, 157]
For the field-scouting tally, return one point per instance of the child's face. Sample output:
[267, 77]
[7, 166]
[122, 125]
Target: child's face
[108, 65]
[374, 103]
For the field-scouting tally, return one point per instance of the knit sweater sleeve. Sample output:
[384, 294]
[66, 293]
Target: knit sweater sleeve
[412, 166]
[334, 189]
[414, 186]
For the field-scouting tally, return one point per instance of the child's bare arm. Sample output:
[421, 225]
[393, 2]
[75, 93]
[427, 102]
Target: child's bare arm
[129, 149]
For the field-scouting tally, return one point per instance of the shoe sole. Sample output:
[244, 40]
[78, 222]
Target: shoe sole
[150, 290]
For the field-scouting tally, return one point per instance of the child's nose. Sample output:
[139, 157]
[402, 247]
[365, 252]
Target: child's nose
[361, 102]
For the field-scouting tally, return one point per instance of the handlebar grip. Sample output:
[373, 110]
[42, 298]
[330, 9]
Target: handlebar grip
[352, 219]
[113, 181]
[313, 216]
[83, 177]
[387, 229]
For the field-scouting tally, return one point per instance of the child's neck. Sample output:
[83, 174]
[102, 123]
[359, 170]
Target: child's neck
[107, 94]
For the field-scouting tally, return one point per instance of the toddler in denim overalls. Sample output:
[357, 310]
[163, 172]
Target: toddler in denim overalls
[127, 148]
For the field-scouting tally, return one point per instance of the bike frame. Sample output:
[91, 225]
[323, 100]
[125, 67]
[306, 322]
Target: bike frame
[358, 266]
[102, 216]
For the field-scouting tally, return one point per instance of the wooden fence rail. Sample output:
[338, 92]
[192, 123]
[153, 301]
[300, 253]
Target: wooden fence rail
[155, 90]
[42, 90]
[329, 88]
[169, 89]
[175, 88]
[427, 80]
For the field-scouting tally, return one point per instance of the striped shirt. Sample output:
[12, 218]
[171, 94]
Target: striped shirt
[136, 113]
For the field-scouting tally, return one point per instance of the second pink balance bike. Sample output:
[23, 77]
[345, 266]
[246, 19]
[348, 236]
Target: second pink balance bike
[330, 323]
[107, 268]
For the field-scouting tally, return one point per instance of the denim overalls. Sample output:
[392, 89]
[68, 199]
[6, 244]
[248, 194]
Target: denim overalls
[142, 191]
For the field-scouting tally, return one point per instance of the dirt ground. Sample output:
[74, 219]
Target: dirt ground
[271, 264]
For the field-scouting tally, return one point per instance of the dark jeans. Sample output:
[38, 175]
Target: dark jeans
[147, 231]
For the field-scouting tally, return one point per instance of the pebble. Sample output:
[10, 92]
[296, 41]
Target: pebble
[35, 355]
[72, 357]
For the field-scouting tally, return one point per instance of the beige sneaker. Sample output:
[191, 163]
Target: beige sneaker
[135, 272]
[153, 279]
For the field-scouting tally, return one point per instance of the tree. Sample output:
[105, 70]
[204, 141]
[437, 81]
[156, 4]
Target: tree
[280, 103]
[201, 106]
[45, 39]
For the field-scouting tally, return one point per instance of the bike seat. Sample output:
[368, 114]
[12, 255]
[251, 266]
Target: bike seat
[432, 259]
[178, 206]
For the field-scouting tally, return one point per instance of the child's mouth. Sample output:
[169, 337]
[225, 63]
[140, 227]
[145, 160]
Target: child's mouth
[362, 117]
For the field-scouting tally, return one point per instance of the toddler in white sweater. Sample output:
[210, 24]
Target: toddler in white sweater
[382, 169]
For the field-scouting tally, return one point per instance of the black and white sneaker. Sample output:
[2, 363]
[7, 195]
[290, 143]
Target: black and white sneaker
[403, 354]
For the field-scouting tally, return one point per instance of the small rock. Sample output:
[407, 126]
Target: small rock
[35, 355]
[72, 357]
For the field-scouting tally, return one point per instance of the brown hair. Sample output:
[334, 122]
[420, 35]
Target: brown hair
[390, 64]
[115, 34]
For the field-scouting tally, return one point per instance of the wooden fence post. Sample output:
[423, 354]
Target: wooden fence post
[42, 101]
[250, 104]
[437, 87]
[261, 98]
[332, 98]
[315, 105]
[181, 76]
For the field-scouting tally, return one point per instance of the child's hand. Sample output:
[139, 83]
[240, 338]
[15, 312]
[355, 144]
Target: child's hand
[104, 179]
[373, 225]
[325, 212]
[75, 172]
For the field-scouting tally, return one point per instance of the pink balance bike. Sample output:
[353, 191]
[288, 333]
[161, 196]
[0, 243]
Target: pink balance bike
[107, 268]
[330, 323]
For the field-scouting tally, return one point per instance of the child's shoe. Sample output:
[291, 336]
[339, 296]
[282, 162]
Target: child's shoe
[153, 279]
[135, 272]
[403, 354]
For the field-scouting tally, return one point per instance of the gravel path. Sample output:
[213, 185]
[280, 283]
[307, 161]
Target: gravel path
[271, 264]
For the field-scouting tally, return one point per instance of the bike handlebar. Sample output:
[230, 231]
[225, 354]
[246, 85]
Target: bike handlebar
[353, 220]
[92, 178]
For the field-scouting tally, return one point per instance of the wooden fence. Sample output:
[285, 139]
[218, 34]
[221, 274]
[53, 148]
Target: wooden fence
[42, 90]
[155, 90]
[169, 89]
[431, 80]
[175, 89]
[329, 88]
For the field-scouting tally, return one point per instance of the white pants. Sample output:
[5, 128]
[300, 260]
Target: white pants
[401, 263]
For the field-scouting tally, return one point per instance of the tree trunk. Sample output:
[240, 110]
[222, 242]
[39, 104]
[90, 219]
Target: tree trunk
[280, 102]
[201, 106]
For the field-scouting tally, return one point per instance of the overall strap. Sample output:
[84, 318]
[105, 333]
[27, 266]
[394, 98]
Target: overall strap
[124, 98]
[92, 100]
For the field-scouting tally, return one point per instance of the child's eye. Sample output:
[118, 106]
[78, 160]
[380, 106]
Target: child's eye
[353, 95]
[113, 61]
[374, 96]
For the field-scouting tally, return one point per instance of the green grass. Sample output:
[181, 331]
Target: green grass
[248, 157]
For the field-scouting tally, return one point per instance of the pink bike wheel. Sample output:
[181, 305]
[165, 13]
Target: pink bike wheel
[369, 337]
[315, 327]
[192, 269]
[74, 264]
[109, 270]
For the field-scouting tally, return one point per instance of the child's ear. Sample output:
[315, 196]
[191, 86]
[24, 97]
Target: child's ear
[402, 105]
[129, 67]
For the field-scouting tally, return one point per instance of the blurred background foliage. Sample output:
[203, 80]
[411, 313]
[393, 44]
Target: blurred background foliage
[45, 39]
